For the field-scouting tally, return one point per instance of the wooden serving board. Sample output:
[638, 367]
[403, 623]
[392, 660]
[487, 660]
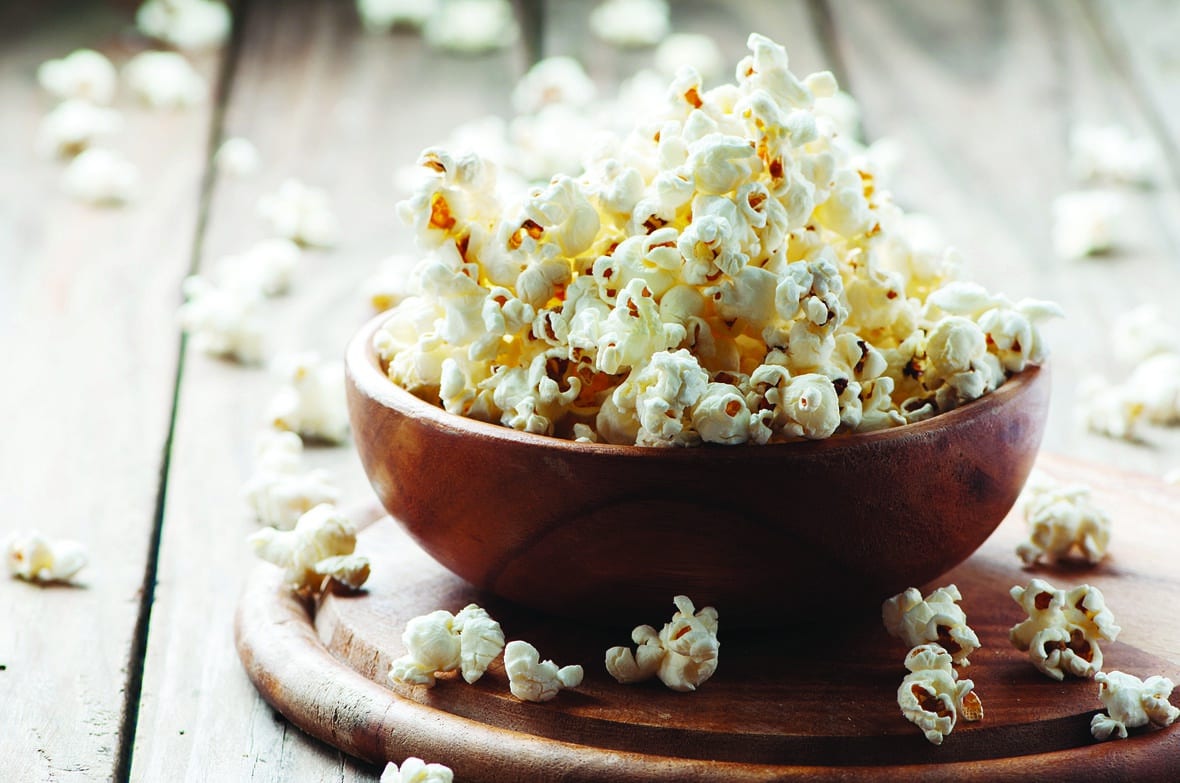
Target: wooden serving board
[811, 702]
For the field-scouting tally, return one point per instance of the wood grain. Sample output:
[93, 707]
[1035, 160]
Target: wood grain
[86, 298]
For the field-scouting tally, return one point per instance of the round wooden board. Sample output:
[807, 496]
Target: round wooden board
[809, 703]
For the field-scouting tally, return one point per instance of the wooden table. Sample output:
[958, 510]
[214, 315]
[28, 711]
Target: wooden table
[117, 435]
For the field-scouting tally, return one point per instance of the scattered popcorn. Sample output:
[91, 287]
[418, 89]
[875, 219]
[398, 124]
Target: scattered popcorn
[415, 770]
[313, 403]
[1155, 384]
[101, 177]
[1143, 333]
[1109, 409]
[1110, 153]
[73, 126]
[932, 697]
[390, 284]
[301, 213]
[630, 22]
[310, 553]
[84, 75]
[1086, 222]
[187, 24]
[1062, 520]
[237, 157]
[441, 642]
[937, 618]
[35, 558]
[281, 490]
[381, 16]
[692, 49]
[1131, 703]
[682, 655]
[1063, 628]
[266, 267]
[223, 321]
[472, 26]
[553, 80]
[164, 80]
[531, 679]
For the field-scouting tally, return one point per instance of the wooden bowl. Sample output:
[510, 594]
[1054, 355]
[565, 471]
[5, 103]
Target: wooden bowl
[614, 532]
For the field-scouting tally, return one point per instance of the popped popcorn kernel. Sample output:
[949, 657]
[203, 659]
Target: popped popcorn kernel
[280, 489]
[223, 321]
[1142, 333]
[700, 52]
[531, 679]
[312, 403]
[415, 770]
[186, 24]
[472, 26]
[101, 177]
[1063, 628]
[683, 654]
[84, 74]
[34, 558]
[932, 697]
[300, 213]
[164, 80]
[553, 80]
[1062, 520]
[630, 23]
[937, 618]
[73, 126]
[237, 157]
[381, 16]
[1109, 409]
[265, 268]
[1086, 222]
[310, 553]
[1110, 153]
[441, 642]
[1131, 703]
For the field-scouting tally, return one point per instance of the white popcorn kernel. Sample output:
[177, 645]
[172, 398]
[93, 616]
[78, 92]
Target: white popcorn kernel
[1110, 153]
[1086, 222]
[472, 26]
[937, 618]
[313, 402]
[697, 51]
[381, 16]
[101, 177]
[280, 490]
[187, 24]
[237, 157]
[320, 534]
[349, 571]
[1142, 333]
[1062, 520]
[720, 163]
[630, 22]
[415, 770]
[1131, 703]
[223, 322]
[73, 126]
[531, 679]
[566, 219]
[1063, 628]
[683, 654]
[35, 558]
[164, 80]
[301, 213]
[1109, 409]
[808, 407]
[721, 415]
[480, 641]
[390, 284]
[265, 268]
[664, 390]
[553, 80]
[83, 75]
[441, 642]
[1155, 384]
[932, 697]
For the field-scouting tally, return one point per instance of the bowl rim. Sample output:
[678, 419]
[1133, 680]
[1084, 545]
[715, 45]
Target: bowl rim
[363, 370]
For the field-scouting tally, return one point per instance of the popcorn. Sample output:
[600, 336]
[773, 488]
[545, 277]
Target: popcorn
[472, 26]
[1109, 409]
[415, 770]
[381, 16]
[937, 618]
[187, 24]
[35, 558]
[101, 177]
[73, 126]
[932, 697]
[84, 75]
[1155, 384]
[1062, 520]
[237, 157]
[280, 490]
[1086, 222]
[630, 22]
[390, 284]
[553, 80]
[310, 553]
[313, 403]
[300, 213]
[531, 679]
[683, 655]
[164, 80]
[223, 321]
[441, 642]
[1143, 333]
[1111, 153]
[697, 51]
[1063, 628]
[266, 267]
[1131, 703]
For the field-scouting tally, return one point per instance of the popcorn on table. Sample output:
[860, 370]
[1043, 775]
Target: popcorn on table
[1142, 333]
[318, 548]
[381, 16]
[932, 697]
[301, 213]
[415, 770]
[531, 679]
[186, 24]
[1087, 222]
[84, 75]
[101, 177]
[1112, 154]
[265, 268]
[35, 558]
[390, 284]
[281, 490]
[223, 321]
[1155, 383]
[1063, 628]
[1109, 409]
[73, 126]
[937, 618]
[683, 655]
[237, 157]
[1131, 703]
[165, 80]
[472, 26]
[1062, 520]
[631, 22]
[441, 642]
[313, 402]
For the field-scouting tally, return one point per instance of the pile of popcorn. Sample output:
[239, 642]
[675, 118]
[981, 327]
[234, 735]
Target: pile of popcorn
[729, 272]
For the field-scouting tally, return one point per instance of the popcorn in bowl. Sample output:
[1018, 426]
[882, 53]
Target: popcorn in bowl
[729, 272]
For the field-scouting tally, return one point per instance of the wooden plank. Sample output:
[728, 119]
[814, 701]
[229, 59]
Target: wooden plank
[88, 386]
[982, 97]
[341, 111]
